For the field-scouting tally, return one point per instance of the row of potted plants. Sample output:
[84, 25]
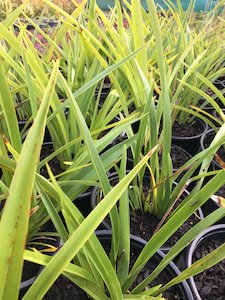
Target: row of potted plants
[107, 97]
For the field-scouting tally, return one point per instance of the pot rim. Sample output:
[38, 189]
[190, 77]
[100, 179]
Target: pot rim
[215, 229]
[113, 176]
[137, 241]
[186, 138]
[28, 282]
[209, 131]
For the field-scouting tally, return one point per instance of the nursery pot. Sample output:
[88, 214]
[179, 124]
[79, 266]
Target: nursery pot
[190, 143]
[205, 141]
[213, 203]
[22, 124]
[25, 284]
[104, 91]
[208, 239]
[210, 205]
[82, 202]
[141, 221]
[179, 157]
[216, 115]
[205, 106]
[34, 269]
[65, 289]
[137, 244]
[46, 150]
[220, 83]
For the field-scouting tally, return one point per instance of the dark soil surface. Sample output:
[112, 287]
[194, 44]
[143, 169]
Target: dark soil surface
[179, 156]
[54, 164]
[210, 283]
[64, 289]
[165, 276]
[188, 129]
[144, 225]
[29, 270]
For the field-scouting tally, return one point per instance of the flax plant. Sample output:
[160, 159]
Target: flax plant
[91, 268]
[85, 274]
[182, 62]
[172, 223]
[82, 259]
[78, 65]
[15, 217]
[33, 76]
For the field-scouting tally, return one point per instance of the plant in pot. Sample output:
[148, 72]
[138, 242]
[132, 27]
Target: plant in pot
[79, 65]
[15, 182]
[30, 86]
[158, 197]
[88, 248]
[18, 207]
[71, 247]
[194, 50]
[86, 263]
[21, 191]
[27, 77]
[198, 112]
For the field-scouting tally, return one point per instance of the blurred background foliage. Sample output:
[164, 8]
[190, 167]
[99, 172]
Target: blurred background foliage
[34, 7]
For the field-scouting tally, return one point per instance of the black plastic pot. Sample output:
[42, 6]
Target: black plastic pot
[216, 115]
[82, 202]
[22, 124]
[205, 141]
[104, 91]
[106, 225]
[175, 151]
[191, 143]
[213, 203]
[205, 106]
[36, 269]
[27, 283]
[212, 233]
[220, 83]
[137, 244]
